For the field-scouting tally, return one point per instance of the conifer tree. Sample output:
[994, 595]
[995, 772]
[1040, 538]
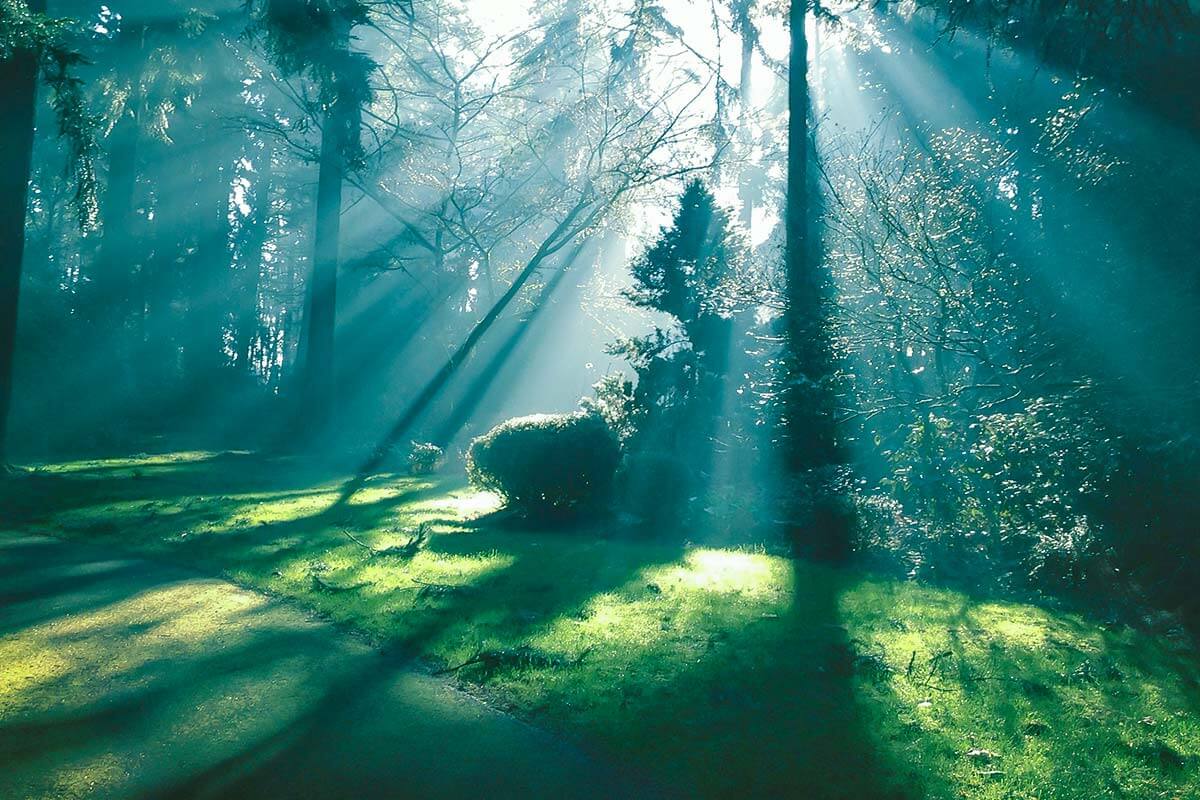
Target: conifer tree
[681, 372]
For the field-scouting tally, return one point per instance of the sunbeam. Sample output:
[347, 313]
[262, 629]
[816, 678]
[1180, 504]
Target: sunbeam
[599, 398]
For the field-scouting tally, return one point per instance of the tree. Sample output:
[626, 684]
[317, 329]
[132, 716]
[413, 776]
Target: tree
[585, 148]
[313, 40]
[32, 46]
[809, 447]
[18, 88]
[681, 372]
[810, 442]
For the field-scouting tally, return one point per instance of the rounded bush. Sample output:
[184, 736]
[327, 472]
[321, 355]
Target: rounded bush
[547, 463]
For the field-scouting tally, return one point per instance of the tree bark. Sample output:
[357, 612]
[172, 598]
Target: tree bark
[318, 377]
[745, 89]
[808, 435]
[799, 279]
[18, 92]
[807, 407]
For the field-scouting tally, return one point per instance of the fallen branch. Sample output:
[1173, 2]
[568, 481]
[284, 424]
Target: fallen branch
[410, 548]
[440, 589]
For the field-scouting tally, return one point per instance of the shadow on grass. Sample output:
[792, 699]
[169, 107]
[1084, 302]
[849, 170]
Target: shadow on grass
[1001, 699]
[778, 720]
[178, 686]
[722, 671]
[50, 489]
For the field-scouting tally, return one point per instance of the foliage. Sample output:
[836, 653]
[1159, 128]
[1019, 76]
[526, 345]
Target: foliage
[424, 458]
[613, 399]
[1012, 495]
[547, 463]
[312, 40]
[681, 372]
[303, 36]
[1008, 438]
[50, 39]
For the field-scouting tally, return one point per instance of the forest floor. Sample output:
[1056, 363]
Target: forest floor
[718, 671]
[124, 678]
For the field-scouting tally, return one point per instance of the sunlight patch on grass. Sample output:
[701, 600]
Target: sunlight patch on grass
[25, 665]
[750, 574]
[159, 624]
[468, 504]
[1011, 700]
[90, 776]
[448, 511]
[699, 663]
[279, 507]
[129, 463]
[671, 610]
[392, 489]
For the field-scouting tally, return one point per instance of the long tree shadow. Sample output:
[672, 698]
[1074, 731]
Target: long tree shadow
[826, 748]
[174, 687]
[53, 489]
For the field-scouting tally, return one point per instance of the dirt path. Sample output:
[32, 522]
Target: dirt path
[122, 678]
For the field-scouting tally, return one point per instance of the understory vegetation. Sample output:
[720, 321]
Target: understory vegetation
[694, 663]
[766, 398]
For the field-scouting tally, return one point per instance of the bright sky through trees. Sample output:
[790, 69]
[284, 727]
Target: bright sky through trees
[614, 398]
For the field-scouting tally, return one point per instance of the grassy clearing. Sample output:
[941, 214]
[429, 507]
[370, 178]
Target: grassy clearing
[725, 671]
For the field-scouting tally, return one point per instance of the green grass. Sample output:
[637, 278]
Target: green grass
[723, 671]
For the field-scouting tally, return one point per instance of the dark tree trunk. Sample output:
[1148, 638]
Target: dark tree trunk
[18, 92]
[808, 435]
[745, 88]
[808, 408]
[799, 277]
[317, 390]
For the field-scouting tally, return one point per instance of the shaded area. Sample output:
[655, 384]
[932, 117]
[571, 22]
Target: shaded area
[716, 671]
[126, 679]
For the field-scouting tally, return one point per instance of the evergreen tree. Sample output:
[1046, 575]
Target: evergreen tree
[681, 372]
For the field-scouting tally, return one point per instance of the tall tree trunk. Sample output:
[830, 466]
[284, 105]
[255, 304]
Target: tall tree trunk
[318, 378]
[18, 91]
[749, 36]
[808, 435]
[799, 278]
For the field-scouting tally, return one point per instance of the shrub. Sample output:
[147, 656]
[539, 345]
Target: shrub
[1009, 498]
[547, 463]
[424, 458]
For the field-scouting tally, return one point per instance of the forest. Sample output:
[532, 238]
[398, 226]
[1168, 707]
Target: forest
[600, 398]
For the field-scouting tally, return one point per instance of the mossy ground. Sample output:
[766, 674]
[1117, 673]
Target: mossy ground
[723, 671]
